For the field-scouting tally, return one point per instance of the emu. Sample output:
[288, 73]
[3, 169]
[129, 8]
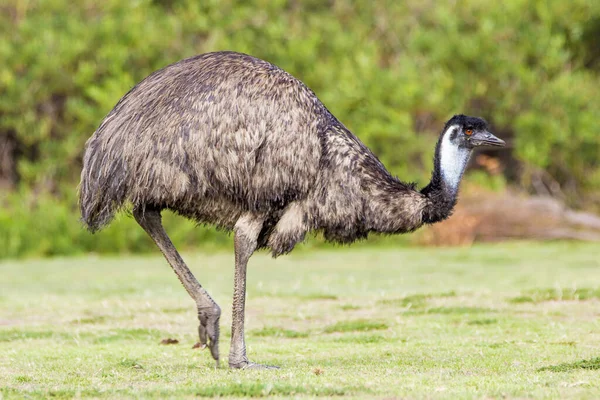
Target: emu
[231, 140]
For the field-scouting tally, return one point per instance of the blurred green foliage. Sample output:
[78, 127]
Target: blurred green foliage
[51, 227]
[392, 71]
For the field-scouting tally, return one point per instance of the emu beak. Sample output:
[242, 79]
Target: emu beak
[485, 138]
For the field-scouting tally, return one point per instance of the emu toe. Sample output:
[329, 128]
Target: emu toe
[208, 330]
[245, 364]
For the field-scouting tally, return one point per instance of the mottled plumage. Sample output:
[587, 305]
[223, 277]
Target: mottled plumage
[228, 139]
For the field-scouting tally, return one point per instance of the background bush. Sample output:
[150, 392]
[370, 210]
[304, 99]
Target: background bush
[392, 71]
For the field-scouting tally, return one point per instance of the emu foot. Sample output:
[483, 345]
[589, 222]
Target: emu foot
[245, 364]
[208, 330]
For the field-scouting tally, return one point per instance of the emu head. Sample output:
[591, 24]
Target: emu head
[459, 137]
[469, 132]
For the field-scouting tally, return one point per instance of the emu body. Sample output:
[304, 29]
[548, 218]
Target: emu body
[231, 140]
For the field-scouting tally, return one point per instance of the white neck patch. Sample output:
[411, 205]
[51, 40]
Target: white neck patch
[453, 160]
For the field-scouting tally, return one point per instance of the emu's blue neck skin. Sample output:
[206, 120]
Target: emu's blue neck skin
[453, 161]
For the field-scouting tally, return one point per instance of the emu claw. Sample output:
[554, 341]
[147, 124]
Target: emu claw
[209, 329]
[250, 365]
[199, 346]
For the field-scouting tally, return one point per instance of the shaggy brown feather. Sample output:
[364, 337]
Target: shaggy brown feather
[222, 134]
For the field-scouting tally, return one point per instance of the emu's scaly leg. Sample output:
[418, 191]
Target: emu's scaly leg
[246, 234]
[208, 311]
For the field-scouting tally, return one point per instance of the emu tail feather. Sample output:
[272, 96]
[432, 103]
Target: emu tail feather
[103, 190]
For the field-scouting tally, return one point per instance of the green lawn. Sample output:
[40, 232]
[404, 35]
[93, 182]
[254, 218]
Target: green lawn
[508, 320]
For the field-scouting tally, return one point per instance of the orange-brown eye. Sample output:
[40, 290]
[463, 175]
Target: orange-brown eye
[469, 132]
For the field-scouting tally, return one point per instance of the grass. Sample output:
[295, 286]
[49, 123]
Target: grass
[565, 367]
[359, 325]
[279, 332]
[356, 323]
[556, 294]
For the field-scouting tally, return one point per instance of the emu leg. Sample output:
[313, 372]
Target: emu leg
[246, 234]
[208, 311]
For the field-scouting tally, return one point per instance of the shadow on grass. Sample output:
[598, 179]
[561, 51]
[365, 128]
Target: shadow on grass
[418, 304]
[52, 394]
[10, 335]
[258, 389]
[483, 321]
[240, 389]
[593, 364]
[349, 307]
[113, 335]
[451, 311]
[359, 325]
[300, 296]
[130, 363]
[554, 294]
[176, 310]
[98, 319]
[117, 335]
[361, 339]
[418, 300]
[278, 332]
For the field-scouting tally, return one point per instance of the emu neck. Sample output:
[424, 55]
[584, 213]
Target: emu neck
[449, 166]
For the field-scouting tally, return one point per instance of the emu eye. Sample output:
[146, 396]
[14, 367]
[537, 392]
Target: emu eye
[469, 132]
